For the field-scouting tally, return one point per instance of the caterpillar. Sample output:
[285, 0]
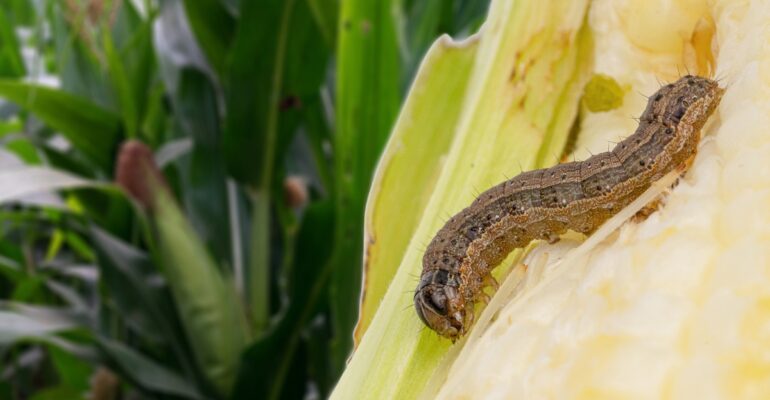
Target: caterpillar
[544, 203]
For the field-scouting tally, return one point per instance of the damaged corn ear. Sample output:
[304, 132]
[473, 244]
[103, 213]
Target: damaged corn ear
[673, 307]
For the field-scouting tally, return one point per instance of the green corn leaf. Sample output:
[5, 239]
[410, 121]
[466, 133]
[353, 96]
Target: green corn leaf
[145, 372]
[26, 181]
[76, 57]
[203, 172]
[267, 362]
[73, 372]
[214, 27]
[326, 13]
[368, 97]
[11, 63]
[127, 273]
[253, 90]
[92, 130]
[122, 86]
[16, 326]
[420, 139]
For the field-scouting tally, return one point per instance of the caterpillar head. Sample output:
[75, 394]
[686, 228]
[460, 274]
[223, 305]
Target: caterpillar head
[691, 98]
[439, 303]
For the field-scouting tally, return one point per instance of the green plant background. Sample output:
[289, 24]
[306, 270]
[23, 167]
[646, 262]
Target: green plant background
[226, 290]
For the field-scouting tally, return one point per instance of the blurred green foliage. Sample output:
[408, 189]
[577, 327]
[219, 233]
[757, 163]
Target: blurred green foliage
[267, 119]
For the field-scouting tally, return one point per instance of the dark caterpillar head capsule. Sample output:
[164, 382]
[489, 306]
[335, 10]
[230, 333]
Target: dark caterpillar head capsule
[693, 96]
[436, 301]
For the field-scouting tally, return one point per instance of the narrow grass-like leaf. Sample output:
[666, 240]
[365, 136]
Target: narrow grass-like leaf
[468, 15]
[32, 180]
[326, 13]
[131, 281]
[257, 274]
[78, 65]
[266, 363]
[420, 139]
[91, 129]
[21, 11]
[11, 63]
[72, 371]
[368, 96]
[214, 27]
[145, 372]
[305, 69]
[253, 90]
[205, 193]
[15, 326]
[122, 86]
[128, 54]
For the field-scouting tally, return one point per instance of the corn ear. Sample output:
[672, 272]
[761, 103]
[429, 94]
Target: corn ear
[209, 309]
[675, 306]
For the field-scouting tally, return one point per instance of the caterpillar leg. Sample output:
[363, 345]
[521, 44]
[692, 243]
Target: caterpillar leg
[656, 204]
[490, 281]
[648, 209]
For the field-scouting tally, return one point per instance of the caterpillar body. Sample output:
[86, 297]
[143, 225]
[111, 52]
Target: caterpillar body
[544, 203]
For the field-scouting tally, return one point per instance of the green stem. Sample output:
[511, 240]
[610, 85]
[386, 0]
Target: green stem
[259, 276]
[259, 260]
[296, 329]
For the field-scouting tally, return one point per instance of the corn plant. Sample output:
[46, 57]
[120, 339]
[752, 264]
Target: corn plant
[183, 202]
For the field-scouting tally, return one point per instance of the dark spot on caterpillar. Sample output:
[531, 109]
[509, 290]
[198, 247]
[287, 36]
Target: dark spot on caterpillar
[679, 113]
[441, 277]
[446, 305]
